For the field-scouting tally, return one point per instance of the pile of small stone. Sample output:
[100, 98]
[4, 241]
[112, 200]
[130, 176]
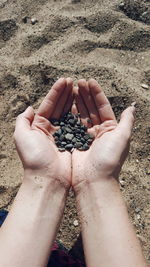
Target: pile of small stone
[71, 134]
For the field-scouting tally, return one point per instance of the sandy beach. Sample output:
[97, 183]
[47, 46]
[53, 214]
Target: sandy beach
[42, 40]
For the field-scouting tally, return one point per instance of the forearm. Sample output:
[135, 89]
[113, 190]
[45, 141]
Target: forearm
[108, 236]
[27, 235]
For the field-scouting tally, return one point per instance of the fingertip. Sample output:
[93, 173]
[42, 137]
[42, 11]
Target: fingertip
[69, 82]
[133, 109]
[74, 109]
[94, 86]
[82, 83]
[127, 116]
[29, 113]
[25, 119]
[62, 81]
[75, 91]
[92, 82]
[29, 108]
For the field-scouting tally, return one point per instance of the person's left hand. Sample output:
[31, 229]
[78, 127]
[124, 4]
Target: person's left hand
[34, 140]
[106, 155]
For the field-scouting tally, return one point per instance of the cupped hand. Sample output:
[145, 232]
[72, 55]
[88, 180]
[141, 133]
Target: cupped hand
[34, 140]
[110, 147]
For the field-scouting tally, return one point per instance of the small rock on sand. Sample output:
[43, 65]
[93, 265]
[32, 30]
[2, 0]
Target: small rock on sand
[145, 86]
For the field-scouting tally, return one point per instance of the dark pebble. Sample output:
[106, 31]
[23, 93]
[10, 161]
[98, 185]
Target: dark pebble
[62, 137]
[63, 144]
[69, 136]
[86, 136]
[86, 146]
[78, 144]
[83, 127]
[56, 138]
[61, 149]
[78, 135]
[89, 141]
[62, 119]
[77, 130]
[75, 119]
[81, 148]
[69, 146]
[75, 127]
[72, 122]
[89, 121]
[63, 128]
[74, 140]
[70, 116]
[58, 133]
[68, 130]
[54, 122]
[58, 143]
[83, 140]
[82, 132]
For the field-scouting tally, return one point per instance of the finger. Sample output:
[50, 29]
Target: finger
[89, 101]
[85, 118]
[49, 103]
[68, 104]
[62, 101]
[24, 120]
[42, 124]
[74, 109]
[126, 122]
[103, 106]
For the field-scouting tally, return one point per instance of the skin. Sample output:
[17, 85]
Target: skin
[108, 236]
[48, 174]
[34, 140]
[110, 136]
[29, 230]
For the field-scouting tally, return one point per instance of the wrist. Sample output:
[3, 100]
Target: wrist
[38, 180]
[43, 179]
[101, 196]
[105, 183]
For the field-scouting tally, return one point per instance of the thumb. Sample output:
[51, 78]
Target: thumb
[126, 122]
[24, 120]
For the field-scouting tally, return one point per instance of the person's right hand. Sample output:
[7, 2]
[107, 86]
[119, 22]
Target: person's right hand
[110, 147]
